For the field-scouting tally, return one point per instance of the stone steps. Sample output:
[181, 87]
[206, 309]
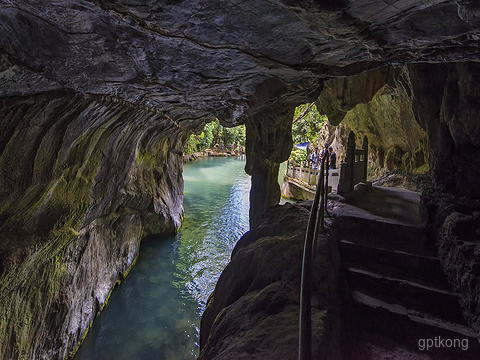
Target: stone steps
[383, 330]
[393, 261]
[398, 292]
[412, 295]
[385, 234]
[404, 273]
[427, 321]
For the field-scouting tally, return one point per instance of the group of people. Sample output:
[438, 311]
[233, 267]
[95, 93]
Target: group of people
[316, 157]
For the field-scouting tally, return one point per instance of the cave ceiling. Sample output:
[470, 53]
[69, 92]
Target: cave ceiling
[195, 59]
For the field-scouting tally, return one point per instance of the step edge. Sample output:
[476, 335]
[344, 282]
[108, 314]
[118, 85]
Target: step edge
[415, 316]
[399, 273]
[402, 281]
[348, 242]
[382, 220]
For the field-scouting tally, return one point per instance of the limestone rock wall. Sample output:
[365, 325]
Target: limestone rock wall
[376, 104]
[455, 223]
[459, 248]
[83, 180]
[445, 100]
[423, 118]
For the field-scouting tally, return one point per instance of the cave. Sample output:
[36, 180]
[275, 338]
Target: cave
[98, 98]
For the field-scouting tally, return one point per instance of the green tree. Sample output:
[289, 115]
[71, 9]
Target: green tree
[215, 134]
[307, 123]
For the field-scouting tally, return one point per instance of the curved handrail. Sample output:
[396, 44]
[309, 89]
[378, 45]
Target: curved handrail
[316, 216]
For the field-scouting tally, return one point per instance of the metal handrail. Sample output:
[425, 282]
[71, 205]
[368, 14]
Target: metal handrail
[317, 215]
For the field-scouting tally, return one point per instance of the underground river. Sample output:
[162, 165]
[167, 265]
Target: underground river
[155, 313]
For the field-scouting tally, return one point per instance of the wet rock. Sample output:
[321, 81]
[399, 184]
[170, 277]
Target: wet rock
[81, 186]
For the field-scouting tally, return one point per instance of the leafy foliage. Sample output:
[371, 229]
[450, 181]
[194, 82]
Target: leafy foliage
[215, 134]
[299, 155]
[307, 127]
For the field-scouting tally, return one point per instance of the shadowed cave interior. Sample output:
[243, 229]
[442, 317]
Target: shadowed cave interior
[98, 98]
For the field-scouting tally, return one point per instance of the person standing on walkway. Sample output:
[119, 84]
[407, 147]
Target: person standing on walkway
[324, 151]
[314, 158]
[332, 158]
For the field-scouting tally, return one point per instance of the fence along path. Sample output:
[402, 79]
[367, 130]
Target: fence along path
[352, 171]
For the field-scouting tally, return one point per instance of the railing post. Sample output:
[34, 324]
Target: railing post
[365, 157]
[350, 160]
[325, 193]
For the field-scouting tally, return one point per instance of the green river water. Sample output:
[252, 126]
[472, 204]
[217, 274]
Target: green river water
[155, 313]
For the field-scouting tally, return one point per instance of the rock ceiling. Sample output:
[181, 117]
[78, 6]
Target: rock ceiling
[194, 59]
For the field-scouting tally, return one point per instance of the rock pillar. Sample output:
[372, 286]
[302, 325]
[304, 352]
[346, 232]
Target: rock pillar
[269, 142]
[347, 167]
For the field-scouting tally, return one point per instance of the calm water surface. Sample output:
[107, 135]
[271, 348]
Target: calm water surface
[155, 313]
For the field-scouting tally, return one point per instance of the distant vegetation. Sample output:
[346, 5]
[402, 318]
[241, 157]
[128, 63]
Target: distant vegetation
[307, 123]
[306, 126]
[215, 135]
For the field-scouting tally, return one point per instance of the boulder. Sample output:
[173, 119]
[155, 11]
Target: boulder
[254, 310]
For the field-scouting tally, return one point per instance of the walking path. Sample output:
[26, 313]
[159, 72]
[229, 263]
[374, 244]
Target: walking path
[398, 302]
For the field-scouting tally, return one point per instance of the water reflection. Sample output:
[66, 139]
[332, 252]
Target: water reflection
[155, 313]
[217, 202]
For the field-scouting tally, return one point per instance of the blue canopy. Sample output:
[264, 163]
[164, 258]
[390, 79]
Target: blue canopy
[302, 146]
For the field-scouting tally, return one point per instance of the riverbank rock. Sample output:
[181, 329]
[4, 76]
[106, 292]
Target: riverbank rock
[83, 184]
[207, 153]
[253, 312]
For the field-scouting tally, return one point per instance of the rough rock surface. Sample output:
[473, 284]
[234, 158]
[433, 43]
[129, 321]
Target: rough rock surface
[456, 224]
[420, 183]
[97, 97]
[269, 143]
[253, 312]
[447, 107]
[80, 186]
[460, 247]
[376, 104]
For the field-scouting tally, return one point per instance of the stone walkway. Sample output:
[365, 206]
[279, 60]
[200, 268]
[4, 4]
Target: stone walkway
[397, 298]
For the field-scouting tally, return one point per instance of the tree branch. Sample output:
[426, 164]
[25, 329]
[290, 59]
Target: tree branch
[302, 115]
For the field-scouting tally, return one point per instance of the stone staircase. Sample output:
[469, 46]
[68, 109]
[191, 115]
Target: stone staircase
[397, 301]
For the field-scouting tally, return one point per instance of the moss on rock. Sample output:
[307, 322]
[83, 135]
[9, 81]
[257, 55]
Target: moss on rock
[71, 234]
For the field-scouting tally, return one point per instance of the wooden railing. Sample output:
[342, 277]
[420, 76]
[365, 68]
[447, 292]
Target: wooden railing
[303, 173]
[353, 169]
[309, 176]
